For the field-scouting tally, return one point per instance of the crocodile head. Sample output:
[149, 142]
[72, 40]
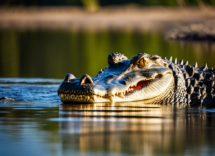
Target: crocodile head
[144, 77]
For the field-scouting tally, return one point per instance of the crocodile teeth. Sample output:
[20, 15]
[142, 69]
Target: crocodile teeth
[110, 98]
[93, 97]
[121, 95]
[87, 97]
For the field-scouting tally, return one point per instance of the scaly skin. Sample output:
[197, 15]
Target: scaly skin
[144, 77]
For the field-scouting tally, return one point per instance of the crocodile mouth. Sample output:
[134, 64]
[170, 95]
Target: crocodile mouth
[138, 86]
[69, 97]
[137, 90]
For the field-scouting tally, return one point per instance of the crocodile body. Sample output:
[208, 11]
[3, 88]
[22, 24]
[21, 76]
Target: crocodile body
[145, 77]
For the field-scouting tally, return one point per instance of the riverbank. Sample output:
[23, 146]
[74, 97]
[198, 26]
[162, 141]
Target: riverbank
[138, 18]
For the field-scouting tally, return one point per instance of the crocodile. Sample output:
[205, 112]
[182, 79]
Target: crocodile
[145, 77]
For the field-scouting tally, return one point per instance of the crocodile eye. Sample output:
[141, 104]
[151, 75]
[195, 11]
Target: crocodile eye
[143, 62]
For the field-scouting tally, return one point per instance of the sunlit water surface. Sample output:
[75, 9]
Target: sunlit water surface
[38, 124]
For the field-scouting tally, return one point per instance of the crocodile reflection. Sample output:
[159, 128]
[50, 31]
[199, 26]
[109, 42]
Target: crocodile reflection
[142, 127]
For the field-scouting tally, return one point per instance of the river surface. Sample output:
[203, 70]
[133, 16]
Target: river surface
[39, 124]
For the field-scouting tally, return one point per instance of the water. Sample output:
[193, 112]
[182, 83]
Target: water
[39, 124]
[53, 54]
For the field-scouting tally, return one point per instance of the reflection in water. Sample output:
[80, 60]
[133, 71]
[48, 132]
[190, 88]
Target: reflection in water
[123, 129]
[9, 54]
[136, 128]
[54, 53]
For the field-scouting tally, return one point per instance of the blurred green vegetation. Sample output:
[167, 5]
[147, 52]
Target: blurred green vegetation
[104, 2]
[55, 53]
[91, 5]
[9, 52]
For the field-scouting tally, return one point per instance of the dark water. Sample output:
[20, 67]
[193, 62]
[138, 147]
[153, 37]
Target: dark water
[39, 124]
[52, 54]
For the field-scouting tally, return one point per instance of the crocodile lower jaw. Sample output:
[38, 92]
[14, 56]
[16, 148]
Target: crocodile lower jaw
[66, 98]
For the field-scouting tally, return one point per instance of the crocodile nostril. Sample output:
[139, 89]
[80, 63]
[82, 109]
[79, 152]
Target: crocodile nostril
[86, 80]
